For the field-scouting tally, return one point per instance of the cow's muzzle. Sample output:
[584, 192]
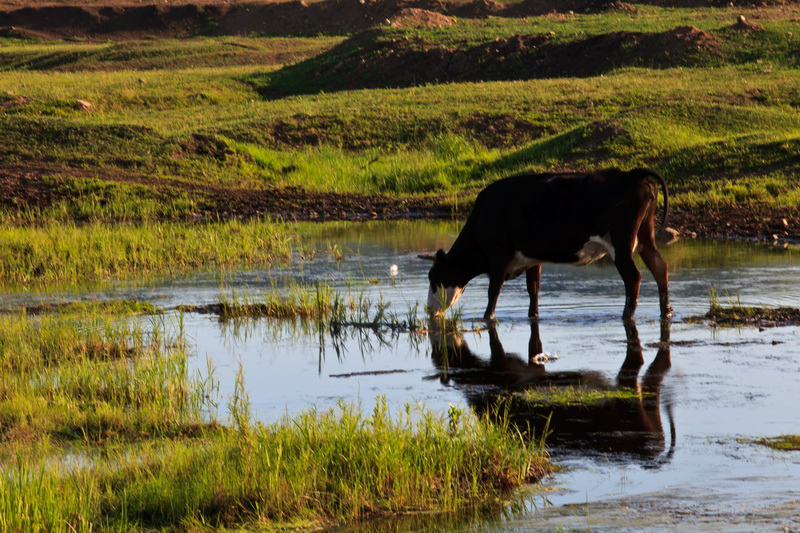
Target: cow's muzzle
[443, 298]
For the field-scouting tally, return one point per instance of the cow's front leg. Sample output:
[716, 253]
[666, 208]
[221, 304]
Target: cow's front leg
[533, 278]
[497, 275]
[632, 279]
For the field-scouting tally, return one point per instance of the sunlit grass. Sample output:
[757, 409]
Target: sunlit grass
[319, 468]
[79, 376]
[59, 253]
[572, 396]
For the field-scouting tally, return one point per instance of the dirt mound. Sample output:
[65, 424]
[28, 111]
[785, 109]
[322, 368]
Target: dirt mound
[742, 24]
[412, 17]
[372, 60]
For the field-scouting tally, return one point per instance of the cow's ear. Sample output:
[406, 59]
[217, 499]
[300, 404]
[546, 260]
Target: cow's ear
[440, 257]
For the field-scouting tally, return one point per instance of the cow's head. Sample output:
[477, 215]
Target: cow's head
[446, 285]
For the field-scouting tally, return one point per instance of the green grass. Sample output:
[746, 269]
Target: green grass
[784, 442]
[732, 313]
[82, 376]
[122, 307]
[104, 428]
[572, 396]
[68, 253]
[321, 468]
[17, 55]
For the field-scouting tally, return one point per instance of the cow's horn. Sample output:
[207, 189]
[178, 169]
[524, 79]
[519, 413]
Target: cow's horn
[429, 257]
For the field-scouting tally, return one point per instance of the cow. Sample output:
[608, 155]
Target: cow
[519, 222]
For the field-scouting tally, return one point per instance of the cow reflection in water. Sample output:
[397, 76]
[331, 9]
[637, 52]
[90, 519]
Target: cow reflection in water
[629, 428]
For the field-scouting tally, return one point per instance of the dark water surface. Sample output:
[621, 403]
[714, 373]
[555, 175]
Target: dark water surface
[678, 458]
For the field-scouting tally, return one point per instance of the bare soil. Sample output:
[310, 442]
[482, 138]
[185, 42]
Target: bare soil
[129, 19]
[23, 189]
[381, 62]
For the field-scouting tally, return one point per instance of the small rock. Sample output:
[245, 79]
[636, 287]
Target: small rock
[774, 236]
[83, 105]
[785, 222]
[141, 80]
[694, 235]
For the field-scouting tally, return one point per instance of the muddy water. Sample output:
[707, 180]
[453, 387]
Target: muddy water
[676, 458]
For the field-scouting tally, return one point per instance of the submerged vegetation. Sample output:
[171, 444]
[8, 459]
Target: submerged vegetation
[733, 313]
[784, 442]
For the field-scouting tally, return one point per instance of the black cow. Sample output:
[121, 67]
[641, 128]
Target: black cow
[520, 222]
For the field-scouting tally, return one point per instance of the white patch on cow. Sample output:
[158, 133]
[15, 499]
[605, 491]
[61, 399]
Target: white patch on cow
[520, 264]
[595, 248]
[439, 302]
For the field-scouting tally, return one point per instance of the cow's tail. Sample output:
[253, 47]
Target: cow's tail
[646, 172]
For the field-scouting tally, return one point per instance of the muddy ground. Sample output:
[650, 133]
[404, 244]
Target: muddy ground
[25, 188]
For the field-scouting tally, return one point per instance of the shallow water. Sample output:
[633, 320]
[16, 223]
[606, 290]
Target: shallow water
[679, 458]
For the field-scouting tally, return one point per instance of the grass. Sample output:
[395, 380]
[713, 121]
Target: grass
[85, 376]
[319, 303]
[321, 468]
[103, 427]
[784, 442]
[733, 313]
[723, 129]
[68, 253]
[123, 307]
[572, 396]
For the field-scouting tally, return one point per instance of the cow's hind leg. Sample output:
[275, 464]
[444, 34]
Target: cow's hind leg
[533, 277]
[630, 274]
[656, 264]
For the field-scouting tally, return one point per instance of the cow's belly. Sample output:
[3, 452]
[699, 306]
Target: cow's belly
[520, 264]
[596, 248]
